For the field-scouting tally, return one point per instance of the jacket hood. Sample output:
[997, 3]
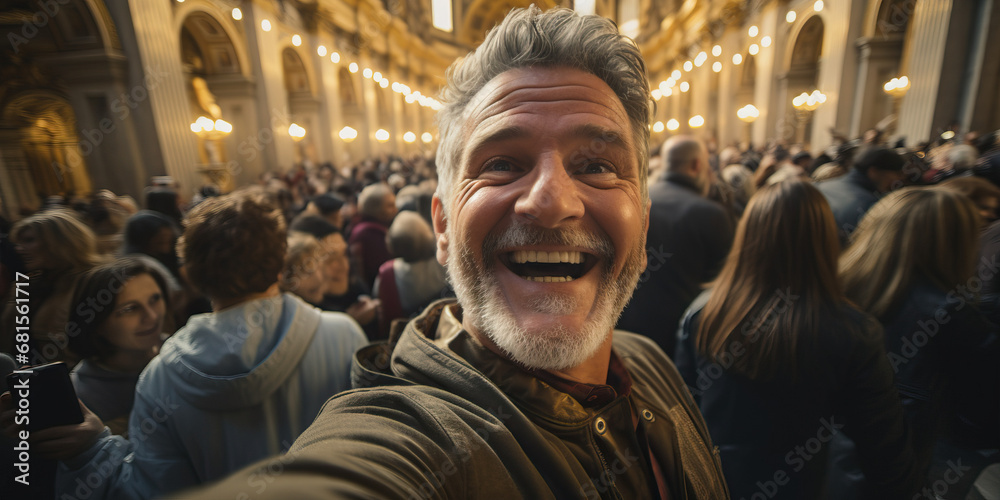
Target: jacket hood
[235, 358]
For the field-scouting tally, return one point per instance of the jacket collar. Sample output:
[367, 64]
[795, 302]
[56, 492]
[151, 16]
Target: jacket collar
[682, 180]
[435, 350]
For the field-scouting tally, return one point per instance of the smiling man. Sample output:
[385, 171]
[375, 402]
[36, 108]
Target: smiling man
[521, 388]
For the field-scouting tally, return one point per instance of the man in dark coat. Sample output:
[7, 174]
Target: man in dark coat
[689, 238]
[877, 171]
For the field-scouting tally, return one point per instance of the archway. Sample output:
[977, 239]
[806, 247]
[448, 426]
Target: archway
[745, 90]
[210, 61]
[880, 60]
[302, 105]
[54, 154]
[803, 72]
[41, 153]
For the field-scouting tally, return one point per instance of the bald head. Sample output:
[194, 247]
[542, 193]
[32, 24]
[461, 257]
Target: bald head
[684, 154]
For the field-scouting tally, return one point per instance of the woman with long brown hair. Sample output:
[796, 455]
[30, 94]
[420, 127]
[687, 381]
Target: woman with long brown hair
[779, 361]
[911, 264]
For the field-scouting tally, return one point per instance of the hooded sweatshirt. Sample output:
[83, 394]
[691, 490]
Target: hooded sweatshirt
[226, 390]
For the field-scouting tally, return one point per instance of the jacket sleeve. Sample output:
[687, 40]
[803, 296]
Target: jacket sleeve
[146, 465]
[874, 418]
[377, 444]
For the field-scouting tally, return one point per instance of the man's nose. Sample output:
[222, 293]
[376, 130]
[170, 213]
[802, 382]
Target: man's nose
[553, 196]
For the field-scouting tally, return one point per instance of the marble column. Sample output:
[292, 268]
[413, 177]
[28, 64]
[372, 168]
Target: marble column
[928, 34]
[160, 53]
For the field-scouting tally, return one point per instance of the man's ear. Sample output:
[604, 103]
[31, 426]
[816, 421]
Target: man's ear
[440, 229]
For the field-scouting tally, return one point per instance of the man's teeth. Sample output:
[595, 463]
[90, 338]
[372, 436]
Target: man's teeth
[549, 279]
[524, 256]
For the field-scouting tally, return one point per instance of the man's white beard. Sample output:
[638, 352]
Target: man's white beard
[558, 347]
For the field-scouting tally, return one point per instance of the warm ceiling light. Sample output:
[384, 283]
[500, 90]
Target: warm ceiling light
[367, 73]
[658, 127]
[737, 58]
[409, 137]
[752, 31]
[748, 113]
[321, 50]
[717, 66]
[656, 93]
[754, 49]
[765, 42]
[265, 25]
[381, 135]
[696, 121]
[353, 68]
[818, 6]
[223, 126]
[688, 65]
[296, 40]
[426, 137]
[673, 124]
[335, 57]
[790, 17]
[702, 57]
[348, 134]
[237, 13]
[685, 86]
[296, 131]
[717, 50]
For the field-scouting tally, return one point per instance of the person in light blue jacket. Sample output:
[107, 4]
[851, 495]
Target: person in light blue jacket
[231, 387]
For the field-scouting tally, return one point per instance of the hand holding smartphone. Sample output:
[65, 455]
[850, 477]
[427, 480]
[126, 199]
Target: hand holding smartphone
[44, 397]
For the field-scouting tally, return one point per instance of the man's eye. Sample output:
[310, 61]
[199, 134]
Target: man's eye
[499, 165]
[595, 168]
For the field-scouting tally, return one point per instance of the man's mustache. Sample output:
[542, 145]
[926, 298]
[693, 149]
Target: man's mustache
[520, 234]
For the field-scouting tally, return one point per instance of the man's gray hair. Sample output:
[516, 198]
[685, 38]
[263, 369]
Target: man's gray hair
[530, 38]
[372, 198]
[411, 238]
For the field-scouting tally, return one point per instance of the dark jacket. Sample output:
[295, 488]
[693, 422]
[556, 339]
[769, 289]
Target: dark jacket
[944, 353]
[688, 240]
[850, 196]
[773, 435]
[440, 416]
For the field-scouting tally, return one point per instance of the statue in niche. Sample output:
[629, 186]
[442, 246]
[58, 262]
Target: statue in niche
[203, 104]
[202, 95]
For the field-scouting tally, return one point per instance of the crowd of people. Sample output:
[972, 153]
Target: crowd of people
[832, 318]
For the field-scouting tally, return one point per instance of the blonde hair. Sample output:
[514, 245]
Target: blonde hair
[69, 242]
[930, 232]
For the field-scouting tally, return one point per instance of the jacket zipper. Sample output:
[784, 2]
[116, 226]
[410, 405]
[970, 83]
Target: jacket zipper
[612, 487]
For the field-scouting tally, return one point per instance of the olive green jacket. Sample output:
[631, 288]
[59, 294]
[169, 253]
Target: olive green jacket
[437, 415]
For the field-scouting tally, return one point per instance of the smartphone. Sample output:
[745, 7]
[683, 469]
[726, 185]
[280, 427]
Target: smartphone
[51, 399]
